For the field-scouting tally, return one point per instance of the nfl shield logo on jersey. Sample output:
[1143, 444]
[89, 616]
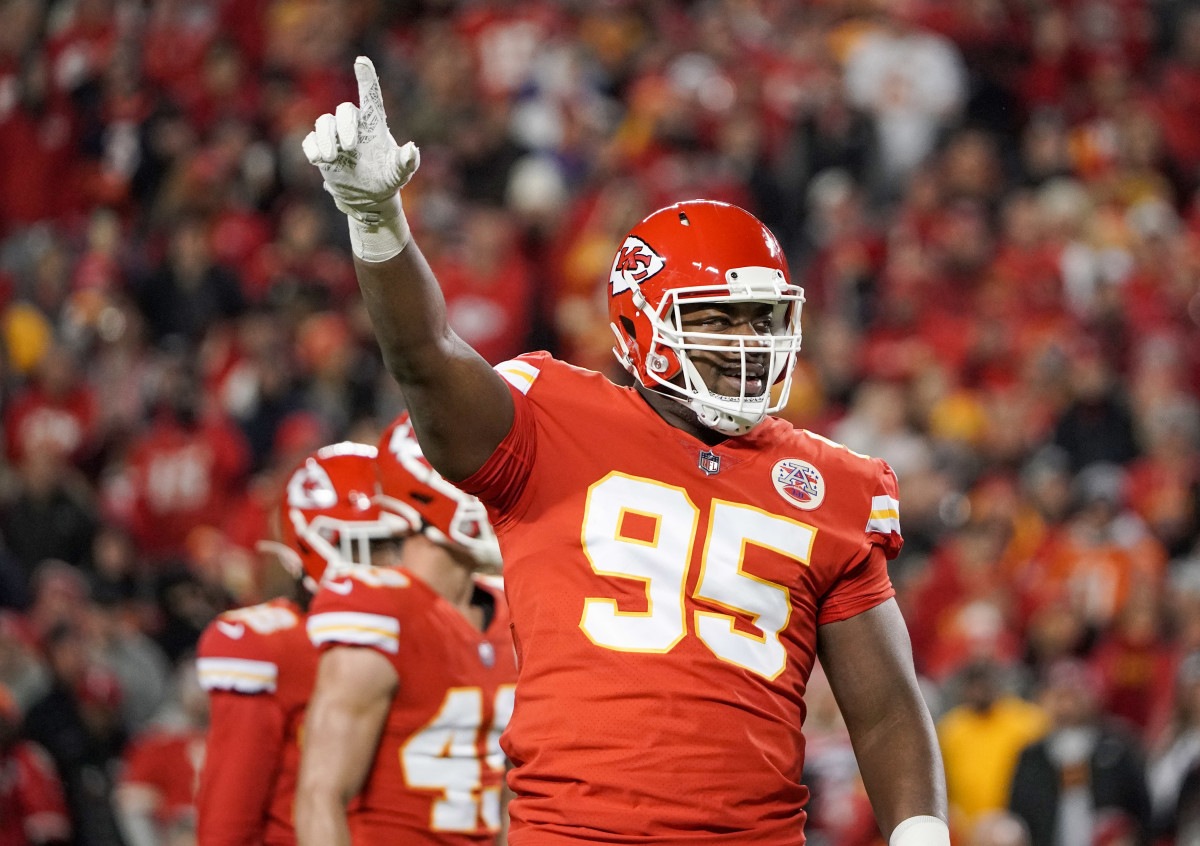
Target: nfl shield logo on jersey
[709, 462]
[799, 483]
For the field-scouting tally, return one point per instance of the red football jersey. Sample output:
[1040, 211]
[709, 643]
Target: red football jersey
[437, 771]
[665, 598]
[259, 668]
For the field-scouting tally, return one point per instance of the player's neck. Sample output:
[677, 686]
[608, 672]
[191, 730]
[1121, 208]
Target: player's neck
[438, 569]
[451, 582]
[680, 416]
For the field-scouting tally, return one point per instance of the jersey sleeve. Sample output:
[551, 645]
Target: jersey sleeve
[883, 523]
[865, 582]
[864, 585]
[500, 482]
[358, 608]
[245, 744]
[234, 656]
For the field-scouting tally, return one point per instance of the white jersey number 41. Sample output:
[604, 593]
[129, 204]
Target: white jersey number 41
[446, 756]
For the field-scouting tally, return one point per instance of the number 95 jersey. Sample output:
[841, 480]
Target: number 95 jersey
[666, 597]
[437, 772]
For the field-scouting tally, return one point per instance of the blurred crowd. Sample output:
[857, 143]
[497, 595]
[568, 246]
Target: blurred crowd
[992, 206]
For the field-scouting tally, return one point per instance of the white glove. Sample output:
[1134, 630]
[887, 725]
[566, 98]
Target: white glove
[364, 168]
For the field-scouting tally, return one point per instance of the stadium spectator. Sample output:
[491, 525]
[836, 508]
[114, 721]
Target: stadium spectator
[139, 664]
[188, 292]
[155, 798]
[912, 82]
[183, 468]
[1171, 773]
[32, 810]
[1100, 556]
[1135, 663]
[50, 515]
[78, 721]
[56, 412]
[22, 672]
[1086, 774]
[981, 740]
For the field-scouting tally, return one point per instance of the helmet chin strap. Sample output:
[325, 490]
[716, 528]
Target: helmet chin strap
[725, 423]
[716, 418]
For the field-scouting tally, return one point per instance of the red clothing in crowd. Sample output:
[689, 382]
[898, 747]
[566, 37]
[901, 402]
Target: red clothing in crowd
[32, 809]
[165, 764]
[37, 421]
[492, 313]
[182, 479]
[46, 141]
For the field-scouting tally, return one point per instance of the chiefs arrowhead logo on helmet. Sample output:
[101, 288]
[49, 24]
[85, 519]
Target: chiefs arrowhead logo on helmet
[328, 515]
[634, 264]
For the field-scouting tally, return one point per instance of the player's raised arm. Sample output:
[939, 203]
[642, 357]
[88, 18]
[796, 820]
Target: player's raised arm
[461, 409]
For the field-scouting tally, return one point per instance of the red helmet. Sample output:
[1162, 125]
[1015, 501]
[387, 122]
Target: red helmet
[328, 516]
[412, 489]
[702, 252]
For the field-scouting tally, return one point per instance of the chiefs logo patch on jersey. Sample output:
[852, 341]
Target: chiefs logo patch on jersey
[799, 482]
[634, 264]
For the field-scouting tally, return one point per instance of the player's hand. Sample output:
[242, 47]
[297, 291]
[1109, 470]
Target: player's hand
[363, 166]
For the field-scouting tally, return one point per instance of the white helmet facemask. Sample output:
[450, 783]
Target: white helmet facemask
[774, 353]
[352, 537]
[469, 528]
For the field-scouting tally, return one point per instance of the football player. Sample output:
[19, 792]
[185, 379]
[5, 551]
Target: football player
[416, 677]
[675, 557]
[257, 663]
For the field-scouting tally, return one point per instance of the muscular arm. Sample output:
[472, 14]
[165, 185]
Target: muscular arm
[345, 718]
[869, 663]
[461, 408]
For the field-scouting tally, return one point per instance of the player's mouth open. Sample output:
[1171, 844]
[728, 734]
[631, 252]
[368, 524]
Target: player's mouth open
[732, 384]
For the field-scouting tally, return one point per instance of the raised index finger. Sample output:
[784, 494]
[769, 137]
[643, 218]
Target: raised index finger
[369, 98]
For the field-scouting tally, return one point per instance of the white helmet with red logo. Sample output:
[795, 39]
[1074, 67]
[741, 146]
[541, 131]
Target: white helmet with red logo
[702, 252]
[328, 516]
[412, 489]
